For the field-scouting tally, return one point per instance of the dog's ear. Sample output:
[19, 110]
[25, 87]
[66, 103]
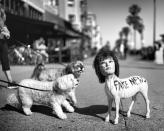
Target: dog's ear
[37, 70]
[69, 69]
[81, 65]
[41, 66]
[64, 83]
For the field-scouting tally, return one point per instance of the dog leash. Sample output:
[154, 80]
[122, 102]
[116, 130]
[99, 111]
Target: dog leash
[14, 84]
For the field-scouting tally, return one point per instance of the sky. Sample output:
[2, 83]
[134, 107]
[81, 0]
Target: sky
[111, 17]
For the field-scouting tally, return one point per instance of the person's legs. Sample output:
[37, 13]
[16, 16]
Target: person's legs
[5, 60]
[8, 75]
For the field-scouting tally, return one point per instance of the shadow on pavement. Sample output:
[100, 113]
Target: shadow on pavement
[93, 110]
[35, 108]
[10, 108]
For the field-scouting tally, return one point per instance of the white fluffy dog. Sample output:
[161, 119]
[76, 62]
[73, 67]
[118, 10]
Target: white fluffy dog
[117, 88]
[42, 73]
[52, 94]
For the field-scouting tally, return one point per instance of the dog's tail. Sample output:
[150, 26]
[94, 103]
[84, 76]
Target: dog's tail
[13, 100]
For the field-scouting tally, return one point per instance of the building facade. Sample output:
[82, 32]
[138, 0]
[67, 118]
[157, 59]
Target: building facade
[74, 12]
[26, 8]
[93, 30]
[29, 20]
[70, 10]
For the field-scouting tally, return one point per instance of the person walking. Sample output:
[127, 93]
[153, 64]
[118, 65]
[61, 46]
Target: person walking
[159, 46]
[40, 47]
[4, 35]
[120, 46]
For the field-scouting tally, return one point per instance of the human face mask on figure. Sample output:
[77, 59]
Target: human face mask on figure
[107, 66]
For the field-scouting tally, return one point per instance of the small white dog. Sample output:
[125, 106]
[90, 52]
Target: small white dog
[42, 73]
[117, 88]
[52, 94]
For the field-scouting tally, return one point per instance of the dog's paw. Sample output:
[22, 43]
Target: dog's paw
[107, 119]
[115, 121]
[27, 111]
[147, 116]
[62, 116]
[70, 109]
[128, 114]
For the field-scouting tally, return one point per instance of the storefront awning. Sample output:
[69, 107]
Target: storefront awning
[59, 28]
[63, 25]
[37, 4]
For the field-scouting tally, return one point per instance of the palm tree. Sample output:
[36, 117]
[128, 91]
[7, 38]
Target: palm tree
[126, 31]
[134, 10]
[134, 20]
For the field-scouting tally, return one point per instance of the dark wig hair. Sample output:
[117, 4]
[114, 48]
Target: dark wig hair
[104, 53]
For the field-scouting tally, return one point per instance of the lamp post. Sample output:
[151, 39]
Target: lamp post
[154, 22]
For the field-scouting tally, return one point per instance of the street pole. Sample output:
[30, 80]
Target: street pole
[83, 40]
[154, 22]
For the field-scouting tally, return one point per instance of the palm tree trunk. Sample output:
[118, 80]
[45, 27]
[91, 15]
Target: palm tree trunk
[131, 44]
[134, 39]
[142, 39]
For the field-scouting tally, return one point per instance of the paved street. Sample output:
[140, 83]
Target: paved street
[92, 104]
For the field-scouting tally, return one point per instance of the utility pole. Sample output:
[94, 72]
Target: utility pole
[85, 13]
[154, 22]
[84, 27]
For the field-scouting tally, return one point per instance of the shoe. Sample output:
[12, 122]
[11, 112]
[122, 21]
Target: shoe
[13, 83]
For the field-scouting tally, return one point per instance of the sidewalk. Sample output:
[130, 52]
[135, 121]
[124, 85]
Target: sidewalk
[91, 108]
[136, 62]
[130, 62]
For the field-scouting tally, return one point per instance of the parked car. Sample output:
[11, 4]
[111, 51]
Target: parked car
[148, 53]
